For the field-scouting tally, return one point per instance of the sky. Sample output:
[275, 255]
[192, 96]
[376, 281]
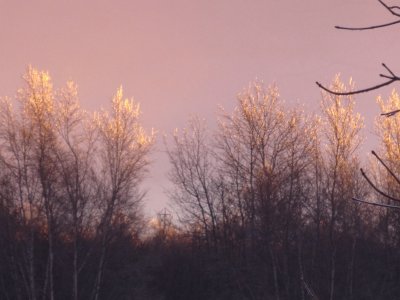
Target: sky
[180, 58]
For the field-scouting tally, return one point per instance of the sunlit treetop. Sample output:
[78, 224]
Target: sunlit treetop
[344, 124]
[37, 97]
[389, 128]
[122, 124]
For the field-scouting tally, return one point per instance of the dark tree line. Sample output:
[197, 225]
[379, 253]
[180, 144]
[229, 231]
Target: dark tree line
[316, 244]
[266, 203]
[262, 204]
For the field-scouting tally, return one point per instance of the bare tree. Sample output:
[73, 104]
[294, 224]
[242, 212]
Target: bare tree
[75, 182]
[342, 138]
[38, 106]
[16, 151]
[75, 162]
[249, 141]
[28, 140]
[193, 175]
[123, 158]
[265, 153]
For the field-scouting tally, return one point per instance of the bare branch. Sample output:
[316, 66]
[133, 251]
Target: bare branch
[389, 70]
[376, 188]
[390, 113]
[385, 76]
[376, 204]
[375, 87]
[392, 78]
[390, 8]
[386, 167]
[368, 27]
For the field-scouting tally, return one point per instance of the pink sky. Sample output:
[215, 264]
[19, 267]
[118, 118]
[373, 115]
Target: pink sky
[182, 57]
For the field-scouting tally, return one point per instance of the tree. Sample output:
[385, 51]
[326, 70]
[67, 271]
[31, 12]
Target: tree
[70, 183]
[74, 158]
[28, 140]
[246, 191]
[123, 159]
[342, 137]
[193, 177]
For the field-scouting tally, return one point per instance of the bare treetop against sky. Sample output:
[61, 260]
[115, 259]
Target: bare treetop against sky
[181, 57]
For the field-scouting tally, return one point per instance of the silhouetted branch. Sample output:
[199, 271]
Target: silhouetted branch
[390, 71]
[369, 27]
[392, 78]
[375, 87]
[376, 188]
[391, 9]
[386, 167]
[376, 204]
[390, 113]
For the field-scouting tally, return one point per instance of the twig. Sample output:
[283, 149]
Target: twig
[387, 69]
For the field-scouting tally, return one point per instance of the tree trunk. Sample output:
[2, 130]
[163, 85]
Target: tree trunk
[51, 262]
[274, 272]
[75, 266]
[31, 257]
[333, 270]
[351, 268]
[100, 268]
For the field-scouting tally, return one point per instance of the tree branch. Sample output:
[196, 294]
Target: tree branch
[390, 8]
[368, 27]
[390, 113]
[375, 87]
[389, 70]
[386, 167]
[376, 188]
[376, 204]
[392, 78]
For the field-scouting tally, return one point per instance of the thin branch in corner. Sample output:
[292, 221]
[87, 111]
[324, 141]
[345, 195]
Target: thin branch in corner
[368, 27]
[376, 188]
[376, 204]
[386, 166]
[390, 8]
